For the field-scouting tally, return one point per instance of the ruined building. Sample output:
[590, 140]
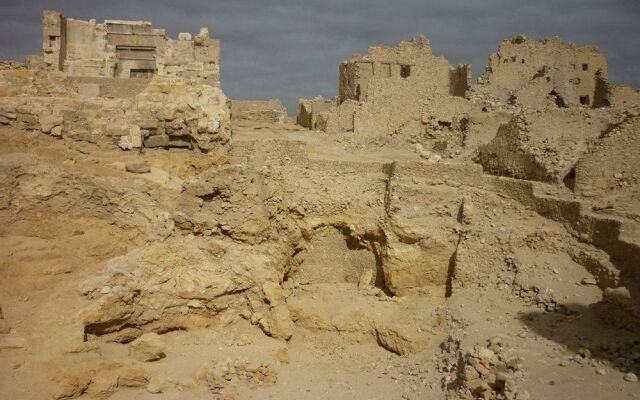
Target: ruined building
[124, 83]
[530, 69]
[409, 64]
[562, 83]
[126, 49]
[391, 90]
[385, 89]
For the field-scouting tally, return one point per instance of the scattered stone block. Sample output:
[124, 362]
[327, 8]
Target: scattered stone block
[141, 167]
[148, 347]
[157, 141]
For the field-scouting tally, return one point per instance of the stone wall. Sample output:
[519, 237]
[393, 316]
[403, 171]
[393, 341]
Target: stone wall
[126, 49]
[120, 82]
[168, 112]
[310, 110]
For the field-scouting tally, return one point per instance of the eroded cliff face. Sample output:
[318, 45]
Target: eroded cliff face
[443, 240]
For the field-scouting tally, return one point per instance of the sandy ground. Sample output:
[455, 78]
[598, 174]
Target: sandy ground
[48, 248]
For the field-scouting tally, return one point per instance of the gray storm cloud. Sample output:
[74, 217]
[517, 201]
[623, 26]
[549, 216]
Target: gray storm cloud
[291, 49]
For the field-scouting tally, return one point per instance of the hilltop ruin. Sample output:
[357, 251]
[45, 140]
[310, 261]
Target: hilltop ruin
[124, 83]
[126, 49]
[383, 90]
[416, 236]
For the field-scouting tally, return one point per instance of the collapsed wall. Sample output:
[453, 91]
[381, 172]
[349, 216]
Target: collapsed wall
[258, 110]
[618, 151]
[544, 146]
[624, 95]
[382, 91]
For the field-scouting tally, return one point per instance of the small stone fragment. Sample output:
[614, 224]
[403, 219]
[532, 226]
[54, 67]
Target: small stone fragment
[282, 355]
[141, 167]
[133, 377]
[148, 347]
[71, 386]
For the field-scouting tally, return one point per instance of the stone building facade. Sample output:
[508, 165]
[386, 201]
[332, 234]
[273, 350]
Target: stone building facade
[126, 49]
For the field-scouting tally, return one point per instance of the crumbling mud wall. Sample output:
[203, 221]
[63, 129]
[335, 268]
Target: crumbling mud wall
[618, 151]
[383, 91]
[258, 110]
[560, 103]
[411, 60]
[624, 95]
[528, 70]
[311, 112]
[544, 146]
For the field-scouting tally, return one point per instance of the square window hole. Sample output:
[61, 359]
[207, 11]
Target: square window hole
[405, 71]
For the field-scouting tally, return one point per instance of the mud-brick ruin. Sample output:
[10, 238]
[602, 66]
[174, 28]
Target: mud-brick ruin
[530, 70]
[383, 89]
[417, 236]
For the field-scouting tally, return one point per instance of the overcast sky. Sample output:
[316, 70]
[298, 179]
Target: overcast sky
[289, 49]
